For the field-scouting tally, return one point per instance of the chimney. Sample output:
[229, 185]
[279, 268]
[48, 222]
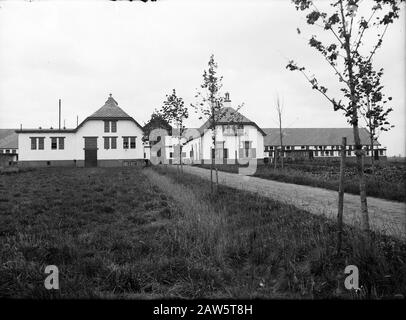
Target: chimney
[59, 114]
[227, 101]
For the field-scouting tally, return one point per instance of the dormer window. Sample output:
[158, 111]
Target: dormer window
[110, 126]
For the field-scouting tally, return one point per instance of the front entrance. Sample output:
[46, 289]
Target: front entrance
[90, 157]
[90, 151]
[376, 155]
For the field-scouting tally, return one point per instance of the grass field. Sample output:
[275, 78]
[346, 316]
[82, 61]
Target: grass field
[149, 233]
[388, 181]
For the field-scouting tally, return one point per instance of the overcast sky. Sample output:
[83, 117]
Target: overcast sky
[82, 51]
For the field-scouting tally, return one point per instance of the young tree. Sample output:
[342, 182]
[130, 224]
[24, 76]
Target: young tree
[374, 109]
[346, 55]
[210, 106]
[175, 112]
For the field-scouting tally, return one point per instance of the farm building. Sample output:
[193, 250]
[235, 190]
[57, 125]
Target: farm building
[8, 147]
[320, 143]
[108, 137]
[158, 140]
[238, 139]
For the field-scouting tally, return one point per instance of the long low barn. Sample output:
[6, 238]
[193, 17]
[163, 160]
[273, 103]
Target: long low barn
[308, 143]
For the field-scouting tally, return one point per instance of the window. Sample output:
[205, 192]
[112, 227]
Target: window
[271, 148]
[41, 143]
[132, 142]
[106, 126]
[61, 142]
[113, 143]
[170, 154]
[113, 126]
[54, 144]
[225, 153]
[316, 153]
[129, 142]
[33, 143]
[349, 153]
[57, 143]
[106, 142]
[381, 152]
[125, 142]
[145, 155]
[110, 143]
[303, 147]
[7, 151]
[13, 151]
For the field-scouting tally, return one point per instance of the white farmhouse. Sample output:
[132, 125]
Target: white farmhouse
[109, 137]
[238, 139]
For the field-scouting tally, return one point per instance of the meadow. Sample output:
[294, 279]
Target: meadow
[156, 233]
[388, 181]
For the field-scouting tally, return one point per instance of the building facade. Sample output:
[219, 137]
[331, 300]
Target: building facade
[320, 143]
[109, 137]
[238, 139]
[8, 147]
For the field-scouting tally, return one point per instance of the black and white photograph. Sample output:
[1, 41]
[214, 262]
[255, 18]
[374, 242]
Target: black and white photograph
[202, 155]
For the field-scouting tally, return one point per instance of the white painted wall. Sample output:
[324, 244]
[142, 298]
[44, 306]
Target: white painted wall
[232, 143]
[74, 143]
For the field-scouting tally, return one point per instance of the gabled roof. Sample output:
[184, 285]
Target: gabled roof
[8, 139]
[229, 115]
[109, 110]
[314, 136]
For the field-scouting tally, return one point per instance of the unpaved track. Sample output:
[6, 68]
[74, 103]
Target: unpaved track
[388, 217]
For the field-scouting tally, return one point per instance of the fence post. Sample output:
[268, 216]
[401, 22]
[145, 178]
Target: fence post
[341, 195]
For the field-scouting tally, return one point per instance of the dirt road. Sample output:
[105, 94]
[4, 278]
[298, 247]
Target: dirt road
[388, 217]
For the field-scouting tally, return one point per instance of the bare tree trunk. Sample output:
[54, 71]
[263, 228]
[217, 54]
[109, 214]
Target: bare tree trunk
[180, 157]
[341, 196]
[372, 153]
[275, 158]
[358, 146]
[211, 173]
[279, 110]
[371, 137]
[217, 179]
[362, 182]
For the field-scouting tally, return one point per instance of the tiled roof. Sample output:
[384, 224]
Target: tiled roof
[8, 139]
[110, 110]
[314, 136]
[230, 115]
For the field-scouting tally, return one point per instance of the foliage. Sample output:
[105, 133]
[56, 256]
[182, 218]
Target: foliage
[210, 100]
[157, 121]
[347, 54]
[174, 111]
